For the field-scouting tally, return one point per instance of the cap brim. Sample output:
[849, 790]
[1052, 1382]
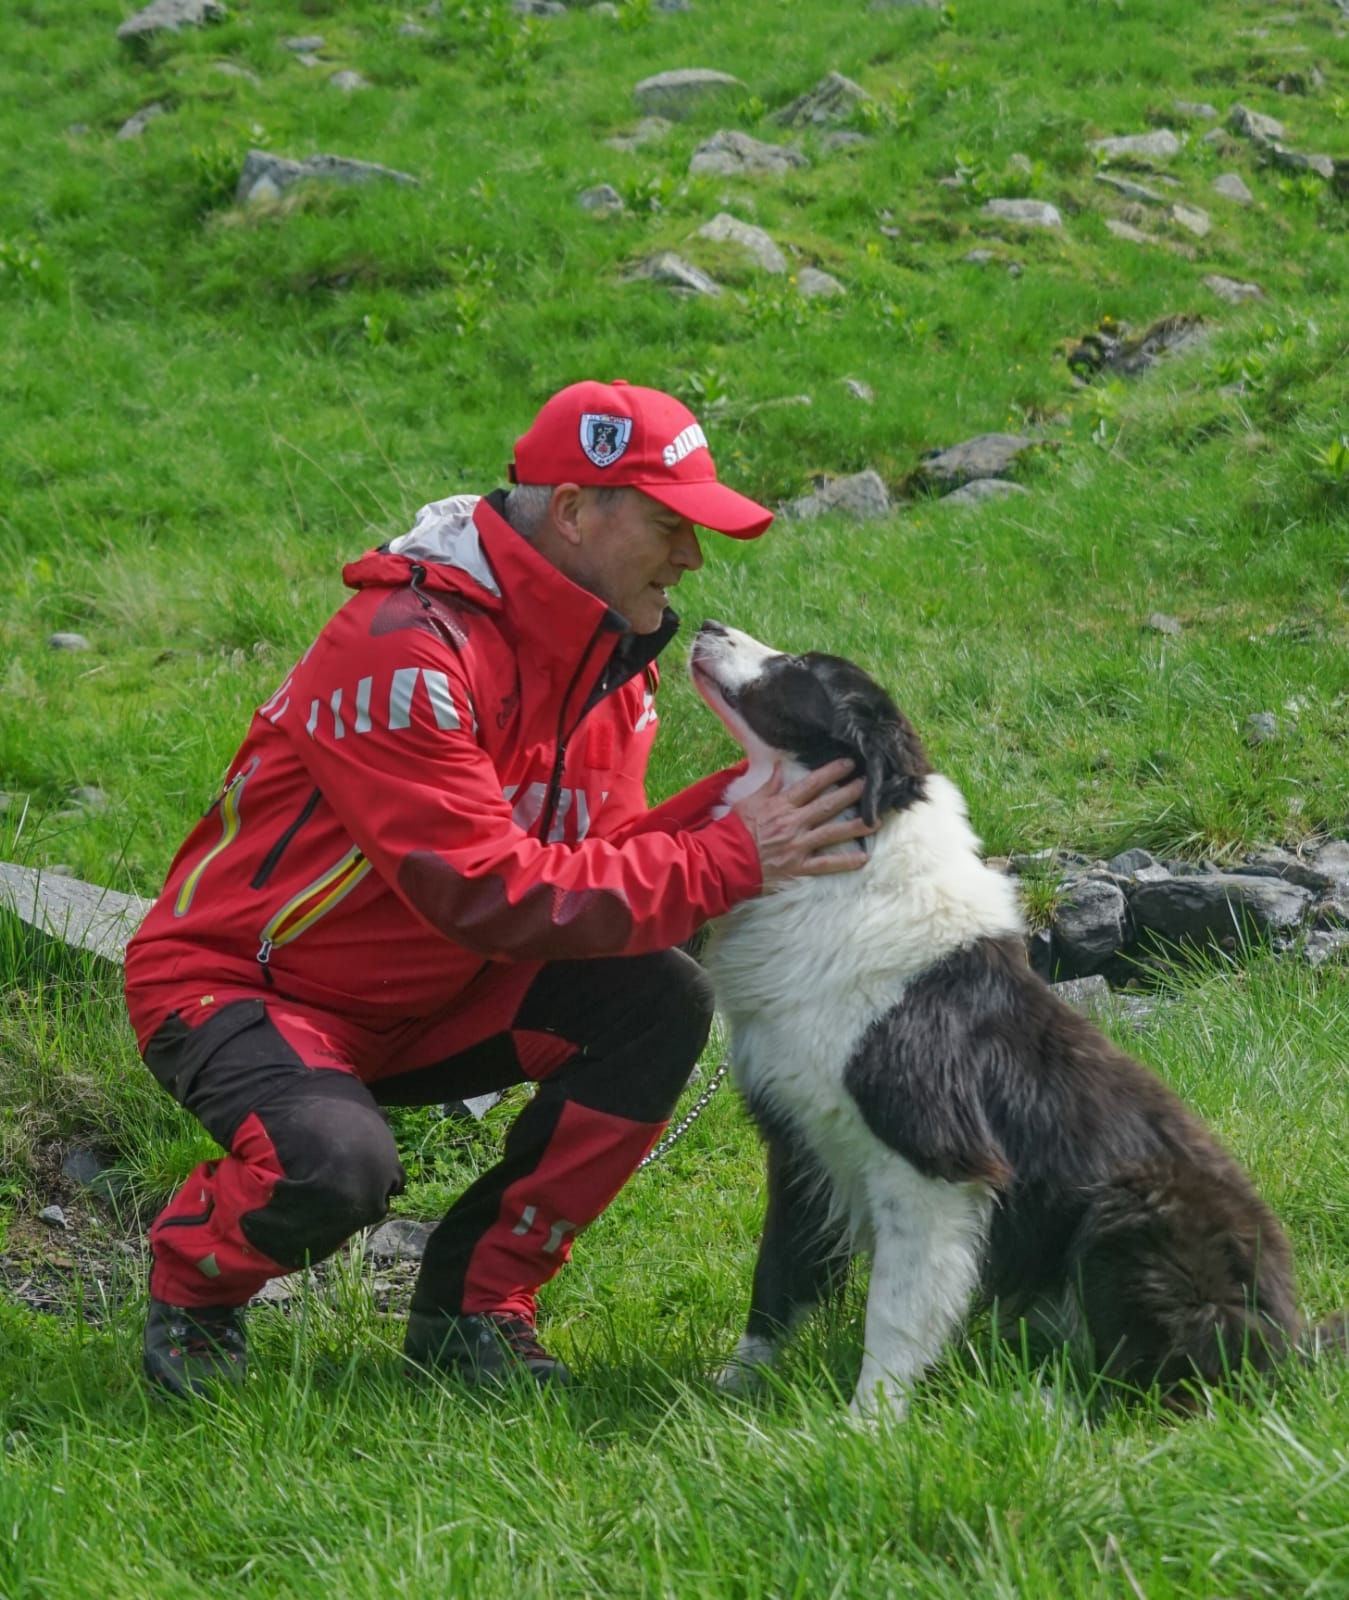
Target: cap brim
[712, 505]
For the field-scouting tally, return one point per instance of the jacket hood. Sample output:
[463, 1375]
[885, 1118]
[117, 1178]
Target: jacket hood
[443, 539]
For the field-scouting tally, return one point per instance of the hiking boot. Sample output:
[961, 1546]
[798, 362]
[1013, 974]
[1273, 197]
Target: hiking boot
[190, 1349]
[480, 1347]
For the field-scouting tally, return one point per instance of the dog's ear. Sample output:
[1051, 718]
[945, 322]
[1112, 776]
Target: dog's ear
[892, 760]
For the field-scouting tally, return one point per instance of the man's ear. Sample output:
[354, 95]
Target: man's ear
[564, 511]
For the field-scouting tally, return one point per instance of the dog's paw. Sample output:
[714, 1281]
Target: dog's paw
[747, 1370]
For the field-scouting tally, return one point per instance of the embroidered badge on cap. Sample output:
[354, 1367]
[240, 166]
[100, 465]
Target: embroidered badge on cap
[604, 438]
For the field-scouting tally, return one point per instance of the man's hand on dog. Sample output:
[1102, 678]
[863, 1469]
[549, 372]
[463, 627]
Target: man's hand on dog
[792, 825]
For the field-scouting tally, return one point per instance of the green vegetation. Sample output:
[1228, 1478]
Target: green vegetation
[205, 409]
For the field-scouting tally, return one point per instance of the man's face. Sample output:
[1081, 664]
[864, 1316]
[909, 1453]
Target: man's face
[631, 551]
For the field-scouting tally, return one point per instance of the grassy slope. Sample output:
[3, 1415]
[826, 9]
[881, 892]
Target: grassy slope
[203, 413]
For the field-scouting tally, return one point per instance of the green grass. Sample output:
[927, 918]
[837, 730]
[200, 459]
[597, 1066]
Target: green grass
[205, 411]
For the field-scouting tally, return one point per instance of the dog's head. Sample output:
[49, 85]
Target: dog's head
[808, 710]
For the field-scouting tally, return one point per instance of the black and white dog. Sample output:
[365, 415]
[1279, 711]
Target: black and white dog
[924, 1096]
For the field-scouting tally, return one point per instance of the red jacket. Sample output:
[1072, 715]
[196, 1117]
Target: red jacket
[452, 775]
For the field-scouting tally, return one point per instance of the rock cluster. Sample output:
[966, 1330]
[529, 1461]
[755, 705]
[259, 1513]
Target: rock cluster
[1125, 918]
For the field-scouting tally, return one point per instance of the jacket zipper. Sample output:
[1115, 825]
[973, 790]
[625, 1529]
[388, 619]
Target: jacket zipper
[229, 803]
[274, 855]
[563, 737]
[310, 905]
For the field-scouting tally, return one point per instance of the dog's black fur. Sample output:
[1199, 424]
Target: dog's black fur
[1119, 1224]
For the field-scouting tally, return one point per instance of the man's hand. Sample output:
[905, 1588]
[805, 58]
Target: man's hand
[791, 825]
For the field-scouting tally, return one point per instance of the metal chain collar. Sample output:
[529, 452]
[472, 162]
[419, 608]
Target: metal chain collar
[695, 1111]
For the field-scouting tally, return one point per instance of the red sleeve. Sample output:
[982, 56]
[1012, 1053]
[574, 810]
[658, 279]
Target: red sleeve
[691, 808]
[423, 801]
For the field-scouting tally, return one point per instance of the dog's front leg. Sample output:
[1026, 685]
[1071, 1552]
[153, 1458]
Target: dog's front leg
[929, 1241]
[803, 1260]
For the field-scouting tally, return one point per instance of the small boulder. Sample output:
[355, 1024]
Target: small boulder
[834, 99]
[988, 455]
[862, 496]
[68, 641]
[732, 154]
[1232, 289]
[1158, 144]
[1252, 125]
[671, 269]
[168, 16]
[602, 198]
[683, 91]
[1027, 213]
[812, 284]
[754, 241]
[1230, 186]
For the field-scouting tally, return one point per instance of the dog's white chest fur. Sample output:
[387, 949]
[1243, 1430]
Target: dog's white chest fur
[800, 976]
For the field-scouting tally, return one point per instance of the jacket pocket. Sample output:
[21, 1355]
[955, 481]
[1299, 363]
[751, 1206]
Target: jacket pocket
[272, 859]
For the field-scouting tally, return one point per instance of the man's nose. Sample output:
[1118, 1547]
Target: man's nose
[687, 552]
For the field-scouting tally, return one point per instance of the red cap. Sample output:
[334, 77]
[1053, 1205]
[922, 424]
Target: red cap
[617, 433]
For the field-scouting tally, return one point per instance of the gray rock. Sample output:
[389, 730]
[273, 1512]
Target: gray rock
[1271, 861]
[672, 269]
[53, 1216]
[1089, 996]
[1325, 944]
[907, 5]
[685, 90]
[863, 496]
[412, 30]
[812, 284]
[988, 455]
[92, 1172]
[731, 154]
[80, 915]
[859, 390]
[1127, 231]
[1159, 622]
[602, 198]
[1297, 161]
[231, 69]
[1027, 213]
[1159, 143]
[979, 258]
[1252, 125]
[754, 241]
[474, 1106]
[89, 798]
[348, 82]
[979, 490]
[1128, 862]
[1198, 110]
[1230, 186]
[1156, 873]
[1192, 219]
[538, 8]
[139, 121]
[275, 1292]
[168, 16]
[1131, 190]
[1216, 909]
[1332, 912]
[1231, 290]
[834, 99]
[68, 641]
[305, 43]
[266, 175]
[1333, 858]
[398, 1239]
[1262, 727]
[647, 131]
[1091, 924]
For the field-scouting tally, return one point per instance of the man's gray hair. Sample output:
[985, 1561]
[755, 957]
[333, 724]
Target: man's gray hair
[527, 504]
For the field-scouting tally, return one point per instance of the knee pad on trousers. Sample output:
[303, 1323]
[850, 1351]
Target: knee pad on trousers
[341, 1170]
